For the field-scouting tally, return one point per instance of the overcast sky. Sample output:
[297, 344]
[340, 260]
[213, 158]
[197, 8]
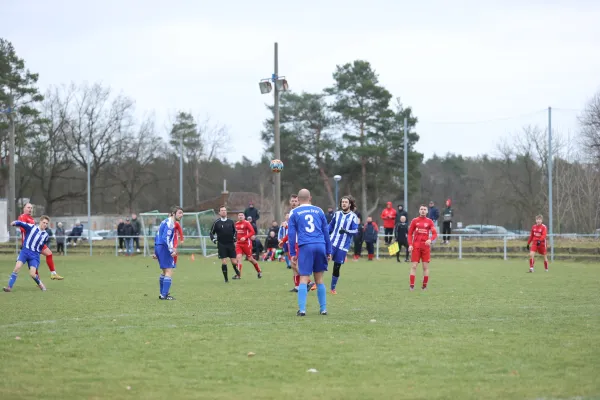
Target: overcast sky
[473, 71]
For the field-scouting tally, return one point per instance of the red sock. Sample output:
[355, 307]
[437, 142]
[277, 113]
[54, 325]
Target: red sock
[296, 280]
[370, 256]
[425, 280]
[412, 280]
[175, 259]
[256, 267]
[545, 264]
[50, 263]
[531, 261]
[240, 268]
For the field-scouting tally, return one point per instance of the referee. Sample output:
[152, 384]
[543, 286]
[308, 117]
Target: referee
[223, 234]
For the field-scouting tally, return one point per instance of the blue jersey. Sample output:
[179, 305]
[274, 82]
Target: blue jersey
[35, 238]
[165, 234]
[308, 225]
[347, 221]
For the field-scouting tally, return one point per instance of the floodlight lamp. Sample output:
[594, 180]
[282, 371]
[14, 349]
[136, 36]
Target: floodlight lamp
[282, 85]
[337, 178]
[265, 87]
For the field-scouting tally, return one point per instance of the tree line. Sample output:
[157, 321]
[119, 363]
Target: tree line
[353, 128]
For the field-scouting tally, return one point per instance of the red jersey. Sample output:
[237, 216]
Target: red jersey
[388, 215]
[28, 219]
[538, 232]
[178, 233]
[421, 227]
[244, 231]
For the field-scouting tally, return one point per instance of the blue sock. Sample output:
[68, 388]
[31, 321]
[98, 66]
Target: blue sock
[287, 261]
[166, 286]
[160, 282]
[322, 296]
[302, 294]
[36, 278]
[13, 278]
[334, 280]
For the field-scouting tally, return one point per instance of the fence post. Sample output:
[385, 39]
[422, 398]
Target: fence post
[117, 246]
[460, 247]
[505, 257]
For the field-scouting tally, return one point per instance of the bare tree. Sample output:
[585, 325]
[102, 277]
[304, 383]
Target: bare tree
[100, 119]
[590, 124]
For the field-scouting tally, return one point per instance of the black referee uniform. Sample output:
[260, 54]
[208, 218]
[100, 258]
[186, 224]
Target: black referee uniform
[223, 234]
[402, 239]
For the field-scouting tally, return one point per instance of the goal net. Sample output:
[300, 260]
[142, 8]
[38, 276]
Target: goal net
[196, 227]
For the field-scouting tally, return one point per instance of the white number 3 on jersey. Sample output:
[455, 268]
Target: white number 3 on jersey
[311, 224]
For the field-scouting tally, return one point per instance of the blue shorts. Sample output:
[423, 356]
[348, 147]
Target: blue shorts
[31, 258]
[312, 258]
[165, 259]
[339, 255]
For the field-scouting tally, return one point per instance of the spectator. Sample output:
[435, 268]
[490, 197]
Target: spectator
[60, 239]
[329, 214]
[76, 232]
[271, 244]
[49, 232]
[129, 233]
[388, 215]
[434, 213]
[137, 229]
[401, 212]
[251, 220]
[370, 236]
[447, 223]
[252, 212]
[121, 234]
[274, 228]
[358, 241]
[401, 235]
[257, 248]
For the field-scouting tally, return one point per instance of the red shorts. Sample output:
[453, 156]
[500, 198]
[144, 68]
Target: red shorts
[541, 249]
[421, 253]
[245, 249]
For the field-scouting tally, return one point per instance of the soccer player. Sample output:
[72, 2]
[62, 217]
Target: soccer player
[243, 245]
[223, 234]
[35, 240]
[283, 231]
[177, 239]
[421, 233]
[28, 219]
[165, 252]
[343, 226]
[538, 237]
[309, 223]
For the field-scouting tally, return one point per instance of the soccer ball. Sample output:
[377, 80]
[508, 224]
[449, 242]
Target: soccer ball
[276, 166]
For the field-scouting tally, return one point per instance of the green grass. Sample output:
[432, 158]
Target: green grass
[484, 330]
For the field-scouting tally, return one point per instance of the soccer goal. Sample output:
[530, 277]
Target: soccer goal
[196, 227]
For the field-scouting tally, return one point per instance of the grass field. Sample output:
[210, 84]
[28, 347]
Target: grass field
[483, 330]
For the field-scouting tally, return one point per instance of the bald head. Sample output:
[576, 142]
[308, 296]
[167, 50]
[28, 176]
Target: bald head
[304, 196]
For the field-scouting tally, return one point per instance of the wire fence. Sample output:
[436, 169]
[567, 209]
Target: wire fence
[460, 246]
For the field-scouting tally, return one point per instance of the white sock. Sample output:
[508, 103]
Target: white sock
[53, 273]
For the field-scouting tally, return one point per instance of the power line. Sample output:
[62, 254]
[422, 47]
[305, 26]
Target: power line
[545, 110]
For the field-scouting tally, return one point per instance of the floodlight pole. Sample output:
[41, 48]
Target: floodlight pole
[276, 134]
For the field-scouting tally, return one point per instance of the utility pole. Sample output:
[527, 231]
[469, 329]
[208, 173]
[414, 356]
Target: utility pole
[11, 164]
[276, 132]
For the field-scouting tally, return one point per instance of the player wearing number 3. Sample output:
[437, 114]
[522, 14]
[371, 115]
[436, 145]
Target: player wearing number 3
[310, 225]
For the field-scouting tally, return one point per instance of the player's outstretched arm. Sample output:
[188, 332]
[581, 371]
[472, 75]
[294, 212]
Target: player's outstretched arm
[326, 234]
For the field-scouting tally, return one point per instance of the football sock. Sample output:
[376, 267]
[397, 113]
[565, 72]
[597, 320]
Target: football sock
[545, 264]
[12, 279]
[235, 269]
[407, 253]
[224, 269]
[334, 280]
[287, 261]
[296, 280]
[161, 279]
[322, 296]
[412, 281]
[175, 260]
[50, 263]
[239, 267]
[166, 286]
[425, 280]
[335, 275]
[36, 279]
[256, 266]
[531, 262]
[302, 294]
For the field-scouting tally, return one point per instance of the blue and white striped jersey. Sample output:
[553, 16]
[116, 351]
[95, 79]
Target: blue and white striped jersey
[165, 234]
[35, 238]
[347, 221]
[283, 231]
